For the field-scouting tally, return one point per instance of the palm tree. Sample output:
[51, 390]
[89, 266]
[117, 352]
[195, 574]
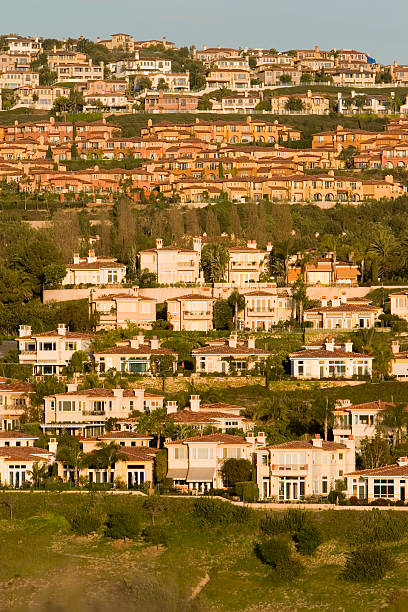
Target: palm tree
[383, 246]
[73, 456]
[37, 474]
[237, 302]
[396, 417]
[109, 453]
[153, 423]
[323, 412]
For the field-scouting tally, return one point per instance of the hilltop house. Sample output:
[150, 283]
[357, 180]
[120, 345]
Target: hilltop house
[198, 417]
[191, 312]
[265, 308]
[50, 351]
[294, 470]
[131, 356]
[399, 304]
[18, 456]
[173, 264]
[117, 309]
[93, 270]
[247, 264]
[324, 271]
[195, 463]
[358, 420]
[14, 400]
[329, 360]
[85, 411]
[223, 355]
[340, 313]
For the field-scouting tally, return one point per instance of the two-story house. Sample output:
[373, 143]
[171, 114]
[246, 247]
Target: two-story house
[198, 417]
[84, 411]
[225, 355]
[117, 310]
[173, 264]
[93, 270]
[191, 312]
[246, 264]
[265, 308]
[50, 351]
[329, 360]
[399, 304]
[195, 463]
[339, 313]
[14, 400]
[359, 420]
[294, 470]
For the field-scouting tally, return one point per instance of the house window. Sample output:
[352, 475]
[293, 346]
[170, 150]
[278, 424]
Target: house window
[384, 487]
[70, 346]
[229, 453]
[324, 484]
[181, 452]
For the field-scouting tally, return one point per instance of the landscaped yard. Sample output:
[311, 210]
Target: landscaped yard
[45, 566]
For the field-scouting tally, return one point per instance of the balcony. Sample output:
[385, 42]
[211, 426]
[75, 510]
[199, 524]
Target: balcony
[93, 412]
[28, 353]
[289, 468]
[243, 264]
[189, 314]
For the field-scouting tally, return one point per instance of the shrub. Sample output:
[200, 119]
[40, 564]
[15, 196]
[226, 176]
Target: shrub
[121, 524]
[274, 551]
[87, 519]
[308, 538]
[272, 524]
[376, 526]
[367, 564]
[293, 520]
[247, 491]
[215, 512]
[156, 534]
[381, 502]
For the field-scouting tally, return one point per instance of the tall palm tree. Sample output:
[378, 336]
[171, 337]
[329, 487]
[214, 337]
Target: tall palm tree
[384, 247]
[74, 456]
[237, 302]
[37, 474]
[323, 409]
[109, 453]
[396, 417]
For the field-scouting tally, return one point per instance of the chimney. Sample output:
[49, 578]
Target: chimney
[197, 244]
[141, 337]
[269, 247]
[317, 441]
[348, 346]
[324, 301]
[62, 330]
[402, 461]
[76, 258]
[329, 343]
[350, 443]
[71, 387]
[134, 342]
[251, 342]
[335, 301]
[159, 243]
[395, 346]
[24, 330]
[250, 437]
[171, 407]
[91, 256]
[343, 297]
[195, 402]
[233, 340]
[118, 392]
[261, 438]
[52, 446]
[251, 244]
[155, 343]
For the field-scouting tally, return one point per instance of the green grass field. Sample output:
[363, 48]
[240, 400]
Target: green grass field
[45, 566]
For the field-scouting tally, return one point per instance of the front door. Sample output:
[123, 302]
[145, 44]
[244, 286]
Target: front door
[402, 493]
[361, 491]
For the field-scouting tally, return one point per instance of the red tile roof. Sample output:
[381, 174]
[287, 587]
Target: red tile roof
[215, 438]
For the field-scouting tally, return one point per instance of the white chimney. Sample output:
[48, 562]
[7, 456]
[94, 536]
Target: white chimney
[269, 247]
[251, 244]
[348, 346]
[324, 301]
[395, 346]
[329, 343]
[233, 340]
[317, 441]
[261, 438]
[335, 301]
[91, 256]
[76, 258]
[402, 461]
[134, 342]
[71, 387]
[350, 443]
[24, 330]
[155, 343]
[62, 330]
[197, 244]
[118, 392]
[251, 342]
[250, 437]
[52, 446]
[141, 337]
[195, 402]
[343, 297]
[159, 243]
[171, 407]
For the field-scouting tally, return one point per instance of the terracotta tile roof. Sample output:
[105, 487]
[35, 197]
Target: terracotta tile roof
[228, 350]
[116, 435]
[378, 405]
[142, 350]
[216, 438]
[54, 334]
[96, 264]
[346, 308]
[20, 387]
[187, 416]
[24, 453]
[221, 407]
[307, 445]
[191, 296]
[19, 435]
[102, 392]
[386, 470]
[323, 354]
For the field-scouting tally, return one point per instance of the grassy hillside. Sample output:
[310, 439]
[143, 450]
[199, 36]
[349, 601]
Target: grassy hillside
[45, 566]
